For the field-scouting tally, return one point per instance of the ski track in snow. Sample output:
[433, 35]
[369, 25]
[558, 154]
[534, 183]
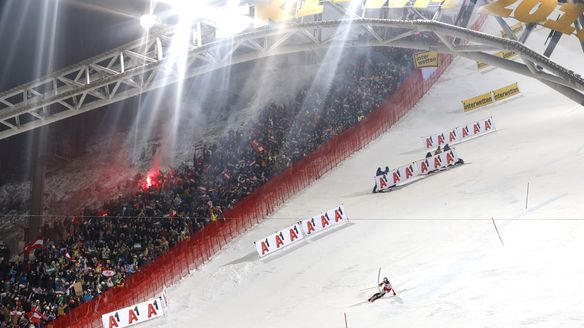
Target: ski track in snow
[448, 273]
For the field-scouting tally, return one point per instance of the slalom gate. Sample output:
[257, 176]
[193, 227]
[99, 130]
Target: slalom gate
[192, 253]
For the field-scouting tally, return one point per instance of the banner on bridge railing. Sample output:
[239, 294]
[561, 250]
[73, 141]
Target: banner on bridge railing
[460, 134]
[279, 240]
[412, 171]
[505, 54]
[138, 313]
[324, 221]
[426, 59]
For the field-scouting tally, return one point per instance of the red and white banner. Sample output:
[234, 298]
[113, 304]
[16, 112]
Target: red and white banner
[403, 174]
[135, 314]
[279, 240]
[324, 221]
[35, 316]
[437, 162]
[407, 173]
[32, 246]
[400, 175]
[460, 134]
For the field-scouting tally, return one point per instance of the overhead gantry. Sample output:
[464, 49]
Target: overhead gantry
[143, 65]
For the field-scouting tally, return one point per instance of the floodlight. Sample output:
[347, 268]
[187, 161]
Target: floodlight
[148, 21]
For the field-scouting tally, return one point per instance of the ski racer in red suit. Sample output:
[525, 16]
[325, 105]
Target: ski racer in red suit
[386, 289]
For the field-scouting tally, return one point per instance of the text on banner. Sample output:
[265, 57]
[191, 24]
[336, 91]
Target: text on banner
[279, 240]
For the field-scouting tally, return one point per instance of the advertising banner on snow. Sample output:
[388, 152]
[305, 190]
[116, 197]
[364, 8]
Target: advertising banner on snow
[403, 174]
[437, 162]
[135, 314]
[407, 173]
[279, 240]
[477, 102]
[324, 221]
[491, 97]
[400, 175]
[460, 133]
[506, 92]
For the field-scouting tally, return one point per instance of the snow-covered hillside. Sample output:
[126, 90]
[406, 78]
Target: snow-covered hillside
[434, 239]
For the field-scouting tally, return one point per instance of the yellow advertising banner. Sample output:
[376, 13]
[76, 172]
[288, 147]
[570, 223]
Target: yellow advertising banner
[506, 54]
[506, 92]
[539, 12]
[490, 97]
[426, 59]
[283, 10]
[477, 102]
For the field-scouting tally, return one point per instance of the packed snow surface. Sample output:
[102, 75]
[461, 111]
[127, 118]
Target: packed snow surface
[434, 239]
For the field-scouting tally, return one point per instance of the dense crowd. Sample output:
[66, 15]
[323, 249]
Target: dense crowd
[83, 256]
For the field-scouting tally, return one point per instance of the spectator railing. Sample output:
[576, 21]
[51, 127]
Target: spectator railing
[192, 253]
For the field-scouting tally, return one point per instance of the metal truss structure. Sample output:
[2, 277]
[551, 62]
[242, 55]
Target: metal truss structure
[146, 64]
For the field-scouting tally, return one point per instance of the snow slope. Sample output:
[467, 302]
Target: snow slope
[434, 239]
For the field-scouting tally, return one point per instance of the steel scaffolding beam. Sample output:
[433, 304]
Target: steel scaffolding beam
[142, 66]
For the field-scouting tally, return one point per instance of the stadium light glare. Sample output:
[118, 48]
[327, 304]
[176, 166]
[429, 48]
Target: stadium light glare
[148, 21]
[232, 20]
[189, 7]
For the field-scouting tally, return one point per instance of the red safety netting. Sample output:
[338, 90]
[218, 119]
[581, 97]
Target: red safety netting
[192, 253]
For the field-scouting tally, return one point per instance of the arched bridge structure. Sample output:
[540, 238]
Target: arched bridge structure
[147, 64]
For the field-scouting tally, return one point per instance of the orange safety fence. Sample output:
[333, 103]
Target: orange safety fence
[200, 247]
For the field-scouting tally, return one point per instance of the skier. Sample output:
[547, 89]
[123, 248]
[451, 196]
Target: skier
[386, 289]
[386, 171]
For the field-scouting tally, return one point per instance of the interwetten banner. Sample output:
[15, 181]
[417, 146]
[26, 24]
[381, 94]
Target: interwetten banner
[489, 98]
[477, 102]
[460, 134]
[426, 59]
[506, 92]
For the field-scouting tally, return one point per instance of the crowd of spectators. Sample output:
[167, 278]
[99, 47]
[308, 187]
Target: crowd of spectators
[83, 256]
